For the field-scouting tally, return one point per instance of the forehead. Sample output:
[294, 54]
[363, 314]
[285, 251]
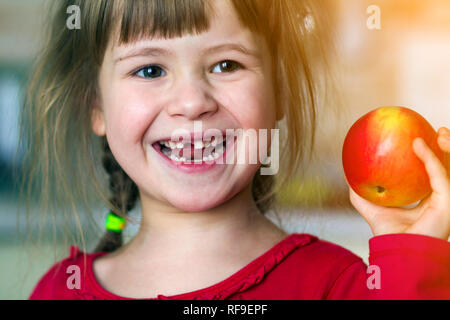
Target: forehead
[208, 20]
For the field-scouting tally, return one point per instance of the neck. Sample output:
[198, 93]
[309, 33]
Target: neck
[167, 232]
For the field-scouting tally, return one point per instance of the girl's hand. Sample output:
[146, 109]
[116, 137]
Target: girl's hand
[432, 216]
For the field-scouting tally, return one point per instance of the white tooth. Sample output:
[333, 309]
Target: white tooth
[166, 143]
[207, 144]
[198, 144]
[180, 145]
[205, 158]
[215, 155]
[217, 141]
[173, 157]
[172, 145]
[219, 149]
[210, 157]
[183, 159]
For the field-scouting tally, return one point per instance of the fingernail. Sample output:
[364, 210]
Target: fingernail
[444, 131]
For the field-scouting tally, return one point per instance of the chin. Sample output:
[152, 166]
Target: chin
[198, 201]
[194, 206]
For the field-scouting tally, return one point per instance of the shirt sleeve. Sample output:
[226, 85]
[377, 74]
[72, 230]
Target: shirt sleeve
[53, 284]
[48, 285]
[401, 266]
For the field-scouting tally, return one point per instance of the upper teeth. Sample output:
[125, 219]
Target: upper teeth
[180, 145]
[207, 155]
[198, 144]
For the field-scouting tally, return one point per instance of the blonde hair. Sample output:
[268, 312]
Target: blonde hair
[63, 166]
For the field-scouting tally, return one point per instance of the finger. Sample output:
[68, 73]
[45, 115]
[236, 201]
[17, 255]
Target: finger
[432, 221]
[444, 139]
[444, 143]
[444, 131]
[371, 211]
[364, 207]
[436, 171]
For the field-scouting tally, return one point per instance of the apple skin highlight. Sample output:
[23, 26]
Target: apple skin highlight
[379, 161]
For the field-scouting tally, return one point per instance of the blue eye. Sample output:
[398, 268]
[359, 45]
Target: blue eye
[150, 72]
[227, 66]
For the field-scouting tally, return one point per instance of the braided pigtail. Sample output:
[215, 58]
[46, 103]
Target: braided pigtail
[124, 194]
[262, 191]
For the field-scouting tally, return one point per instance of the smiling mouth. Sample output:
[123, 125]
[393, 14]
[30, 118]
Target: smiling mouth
[197, 152]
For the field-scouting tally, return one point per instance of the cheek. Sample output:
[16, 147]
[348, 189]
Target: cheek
[129, 113]
[253, 105]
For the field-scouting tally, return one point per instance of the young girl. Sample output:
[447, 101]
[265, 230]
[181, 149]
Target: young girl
[114, 92]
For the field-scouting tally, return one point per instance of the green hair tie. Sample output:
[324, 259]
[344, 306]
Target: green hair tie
[115, 223]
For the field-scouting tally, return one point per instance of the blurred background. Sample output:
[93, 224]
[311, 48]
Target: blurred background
[404, 62]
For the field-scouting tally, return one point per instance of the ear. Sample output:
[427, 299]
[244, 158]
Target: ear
[98, 120]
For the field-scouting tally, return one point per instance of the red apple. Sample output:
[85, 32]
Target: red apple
[378, 159]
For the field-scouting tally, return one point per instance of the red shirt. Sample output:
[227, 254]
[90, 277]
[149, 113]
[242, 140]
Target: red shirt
[301, 266]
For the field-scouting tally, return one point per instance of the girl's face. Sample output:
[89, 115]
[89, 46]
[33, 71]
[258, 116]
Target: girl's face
[153, 87]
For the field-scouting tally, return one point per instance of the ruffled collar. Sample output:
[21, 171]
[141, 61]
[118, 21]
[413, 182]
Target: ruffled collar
[245, 278]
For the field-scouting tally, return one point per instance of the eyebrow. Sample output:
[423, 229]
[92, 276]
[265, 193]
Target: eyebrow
[157, 51]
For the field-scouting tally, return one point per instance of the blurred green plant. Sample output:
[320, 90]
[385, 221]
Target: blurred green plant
[312, 192]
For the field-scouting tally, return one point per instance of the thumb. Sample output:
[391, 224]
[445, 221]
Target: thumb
[381, 220]
[375, 214]
[366, 208]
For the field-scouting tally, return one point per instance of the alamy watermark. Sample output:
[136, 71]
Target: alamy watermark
[74, 280]
[229, 146]
[374, 20]
[374, 280]
[74, 20]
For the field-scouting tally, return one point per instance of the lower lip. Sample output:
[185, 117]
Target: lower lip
[192, 167]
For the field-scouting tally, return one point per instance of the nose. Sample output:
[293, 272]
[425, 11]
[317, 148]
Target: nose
[192, 100]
